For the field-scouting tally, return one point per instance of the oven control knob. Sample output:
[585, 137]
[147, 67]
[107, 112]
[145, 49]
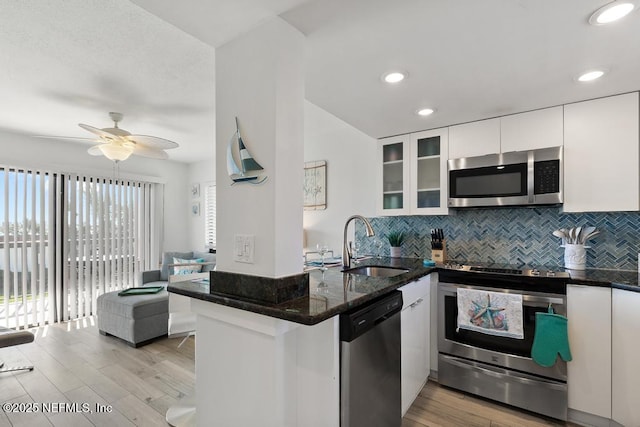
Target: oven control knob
[551, 273]
[535, 272]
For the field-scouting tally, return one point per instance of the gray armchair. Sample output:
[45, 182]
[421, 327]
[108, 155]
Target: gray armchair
[161, 277]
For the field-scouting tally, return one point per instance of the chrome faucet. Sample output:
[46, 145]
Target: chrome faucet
[346, 251]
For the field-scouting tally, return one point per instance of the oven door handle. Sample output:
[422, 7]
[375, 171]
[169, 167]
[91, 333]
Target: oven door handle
[534, 299]
[499, 373]
[542, 300]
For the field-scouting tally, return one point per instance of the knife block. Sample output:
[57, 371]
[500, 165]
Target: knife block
[440, 255]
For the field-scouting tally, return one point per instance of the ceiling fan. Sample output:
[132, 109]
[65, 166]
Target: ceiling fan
[117, 144]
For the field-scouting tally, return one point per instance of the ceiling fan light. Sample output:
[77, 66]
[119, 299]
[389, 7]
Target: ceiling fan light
[116, 152]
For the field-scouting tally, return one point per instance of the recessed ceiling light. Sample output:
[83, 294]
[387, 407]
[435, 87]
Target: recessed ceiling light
[425, 112]
[611, 12]
[394, 77]
[590, 76]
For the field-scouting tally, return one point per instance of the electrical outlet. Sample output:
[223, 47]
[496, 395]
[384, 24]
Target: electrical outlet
[243, 249]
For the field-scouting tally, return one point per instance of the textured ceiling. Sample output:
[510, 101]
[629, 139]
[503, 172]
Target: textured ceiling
[73, 61]
[216, 21]
[468, 59]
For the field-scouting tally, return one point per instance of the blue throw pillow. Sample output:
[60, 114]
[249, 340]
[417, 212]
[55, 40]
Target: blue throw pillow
[187, 269]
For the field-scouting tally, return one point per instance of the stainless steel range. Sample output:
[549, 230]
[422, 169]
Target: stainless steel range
[499, 367]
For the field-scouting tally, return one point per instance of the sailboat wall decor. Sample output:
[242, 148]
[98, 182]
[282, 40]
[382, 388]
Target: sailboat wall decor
[241, 172]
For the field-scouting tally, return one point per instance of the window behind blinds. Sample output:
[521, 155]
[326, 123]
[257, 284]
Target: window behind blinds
[106, 232]
[210, 216]
[65, 239]
[26, 247]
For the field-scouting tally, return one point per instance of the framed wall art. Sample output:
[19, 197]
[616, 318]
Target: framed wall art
[195, 190]
[315, 185]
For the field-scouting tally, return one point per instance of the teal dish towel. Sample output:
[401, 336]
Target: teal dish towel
[551, 338]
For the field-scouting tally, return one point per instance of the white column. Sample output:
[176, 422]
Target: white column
[259, 79]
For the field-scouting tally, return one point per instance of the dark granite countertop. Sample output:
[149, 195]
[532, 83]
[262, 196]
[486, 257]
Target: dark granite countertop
[335, 292]
[331, 293]
[619, 279]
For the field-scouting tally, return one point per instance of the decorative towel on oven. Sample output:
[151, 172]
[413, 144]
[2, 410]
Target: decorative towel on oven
[550, 339]
[493, 313]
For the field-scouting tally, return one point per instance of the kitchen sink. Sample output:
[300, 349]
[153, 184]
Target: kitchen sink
[376, 271]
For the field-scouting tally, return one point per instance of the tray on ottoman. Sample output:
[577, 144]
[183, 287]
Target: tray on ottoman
[141, 291]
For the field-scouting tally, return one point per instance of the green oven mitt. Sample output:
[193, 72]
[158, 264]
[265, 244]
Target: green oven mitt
[550, 339]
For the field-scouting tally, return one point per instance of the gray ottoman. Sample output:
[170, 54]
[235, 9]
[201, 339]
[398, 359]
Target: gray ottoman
[137, 319]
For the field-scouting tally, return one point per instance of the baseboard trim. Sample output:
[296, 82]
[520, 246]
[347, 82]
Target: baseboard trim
[589, 420]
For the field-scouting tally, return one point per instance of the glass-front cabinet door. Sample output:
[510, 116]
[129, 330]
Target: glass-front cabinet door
[393, 175]
[429, 184]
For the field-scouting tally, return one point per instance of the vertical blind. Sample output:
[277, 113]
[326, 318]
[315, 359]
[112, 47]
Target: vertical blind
[67, 239]
[106, 231]
[210, 216]
[26, 209]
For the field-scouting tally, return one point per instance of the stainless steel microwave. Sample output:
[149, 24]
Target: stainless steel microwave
[508, 179]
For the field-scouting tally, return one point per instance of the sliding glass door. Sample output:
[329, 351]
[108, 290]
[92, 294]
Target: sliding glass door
[65, 239]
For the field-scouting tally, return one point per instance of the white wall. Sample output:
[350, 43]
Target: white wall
[202, 173]
[260, 80]
[50, 154]
[351, 159]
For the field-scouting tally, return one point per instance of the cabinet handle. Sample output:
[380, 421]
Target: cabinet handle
[416, 303]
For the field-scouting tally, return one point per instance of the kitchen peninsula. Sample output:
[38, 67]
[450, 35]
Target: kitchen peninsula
[260, 364]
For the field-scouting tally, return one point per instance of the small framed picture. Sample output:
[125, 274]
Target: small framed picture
[195, 208]
[195, 191]
[315, 185]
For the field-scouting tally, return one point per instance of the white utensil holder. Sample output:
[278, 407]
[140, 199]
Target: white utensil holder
[575, 256]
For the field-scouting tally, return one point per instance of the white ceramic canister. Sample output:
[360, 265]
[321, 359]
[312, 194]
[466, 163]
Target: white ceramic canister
[575, 256]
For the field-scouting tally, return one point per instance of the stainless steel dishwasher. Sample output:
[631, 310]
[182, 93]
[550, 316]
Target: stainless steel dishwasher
[370, 389]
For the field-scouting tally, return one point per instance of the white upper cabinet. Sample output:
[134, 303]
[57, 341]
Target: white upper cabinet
[412, 174]
[517, 132]
[601, 165]
[393, 176]
[474, 139]
[531, 130]
[429, 184]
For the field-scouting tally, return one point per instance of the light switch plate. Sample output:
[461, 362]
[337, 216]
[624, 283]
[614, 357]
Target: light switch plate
[243, 248]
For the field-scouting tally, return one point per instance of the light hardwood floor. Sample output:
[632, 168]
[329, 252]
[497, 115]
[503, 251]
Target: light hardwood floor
[75, 364]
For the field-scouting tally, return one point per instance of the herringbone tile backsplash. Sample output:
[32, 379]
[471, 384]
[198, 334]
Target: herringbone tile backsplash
[514, 236]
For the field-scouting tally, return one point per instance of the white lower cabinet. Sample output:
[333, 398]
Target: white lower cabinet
[415, 365]
[626, 357]
[589, 373]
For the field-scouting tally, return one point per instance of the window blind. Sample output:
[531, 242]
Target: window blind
[210, 216]
[65, 239]
[106, 239]
[26, 264]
